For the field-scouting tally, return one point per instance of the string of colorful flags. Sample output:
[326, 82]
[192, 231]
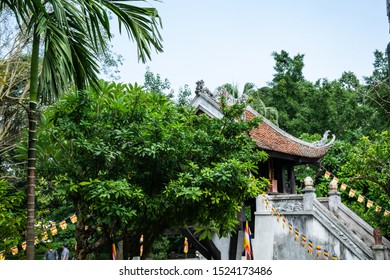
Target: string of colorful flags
[306, 242]
[52, 228]
[360, 197]
[45, 236]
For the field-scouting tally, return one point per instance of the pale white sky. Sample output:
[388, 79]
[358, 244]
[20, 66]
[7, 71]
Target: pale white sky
[226, 41]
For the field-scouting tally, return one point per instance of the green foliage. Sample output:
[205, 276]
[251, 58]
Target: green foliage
[364, 167]
[160, 249]
[132, 162]
[12, 216]
[184, 95]
[156, 85]
[345, 106]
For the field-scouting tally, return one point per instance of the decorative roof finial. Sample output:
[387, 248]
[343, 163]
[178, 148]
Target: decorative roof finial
[324, 139]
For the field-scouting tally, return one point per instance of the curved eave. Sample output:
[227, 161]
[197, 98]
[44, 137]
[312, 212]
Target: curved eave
[270, 137]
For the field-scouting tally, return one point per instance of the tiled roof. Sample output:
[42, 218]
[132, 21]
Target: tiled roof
[271, 138]
[268, 136]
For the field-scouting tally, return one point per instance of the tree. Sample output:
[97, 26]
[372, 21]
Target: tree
[71, 32]
[365, 167]
[12, 214]
[376, 92]
[166, 166]
[156, 85]
[286, 88]
[184, 95]
[254, 97]
[13, 87]
[306, 107]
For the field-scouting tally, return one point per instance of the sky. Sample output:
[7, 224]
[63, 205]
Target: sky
[226, 41]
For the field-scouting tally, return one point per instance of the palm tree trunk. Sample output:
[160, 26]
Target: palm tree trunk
[31, 161]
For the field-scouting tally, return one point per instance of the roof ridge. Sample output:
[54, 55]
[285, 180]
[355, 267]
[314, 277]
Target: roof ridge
[288, 135]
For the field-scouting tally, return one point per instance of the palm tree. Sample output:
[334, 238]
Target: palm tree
[69, 34]
[253, 94]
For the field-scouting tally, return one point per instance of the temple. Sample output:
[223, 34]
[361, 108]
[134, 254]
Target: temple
[285, 151]
[286, 225]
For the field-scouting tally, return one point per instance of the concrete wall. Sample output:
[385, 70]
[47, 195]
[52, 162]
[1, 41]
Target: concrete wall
[273, 240]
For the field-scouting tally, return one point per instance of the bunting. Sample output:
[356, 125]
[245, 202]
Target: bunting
[290, 228]
[296, 234]
[318, 250]
[73, 218]
[327, 174]
[14, 250]
[310, 247]
[305, 242]
[361, 198]
[45, 236]
[283, 221]
[326, 255]
[2, 255]
[53, 231]
[63, 225]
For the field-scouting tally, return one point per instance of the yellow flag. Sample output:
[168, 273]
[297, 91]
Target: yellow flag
[335, 179]
[53, 231]
[378, 208]
[45, 236]
[73, 218]
[327, 174]
[63, 225]
[2, 255]
[343, 187]
[318, 250]
[387, 213]
[24, 245]
[14, 250]
[369, 203]
[360, 198]
[352, 193]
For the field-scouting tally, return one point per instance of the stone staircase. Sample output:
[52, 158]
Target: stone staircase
[325, 221]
